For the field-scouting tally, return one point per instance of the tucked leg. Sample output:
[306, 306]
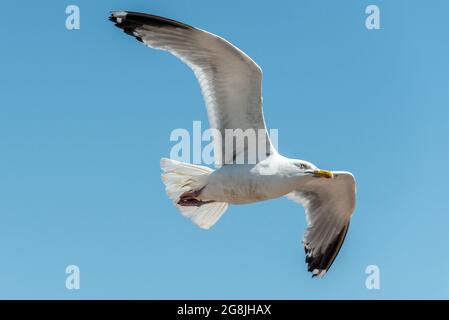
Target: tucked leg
[189, 199]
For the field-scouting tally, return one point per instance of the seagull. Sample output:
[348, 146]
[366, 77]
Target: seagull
[231, 85]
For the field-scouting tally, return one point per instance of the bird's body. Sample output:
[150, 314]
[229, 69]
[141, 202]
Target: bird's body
[247, 183]
[231, 84]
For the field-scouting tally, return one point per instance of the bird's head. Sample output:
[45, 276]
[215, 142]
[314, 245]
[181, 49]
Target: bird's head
[305, 168]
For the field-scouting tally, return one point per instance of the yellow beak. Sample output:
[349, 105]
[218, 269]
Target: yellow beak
[324, 173]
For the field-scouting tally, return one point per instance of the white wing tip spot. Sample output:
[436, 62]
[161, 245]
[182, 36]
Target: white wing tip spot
[318, 273]
[119, 15]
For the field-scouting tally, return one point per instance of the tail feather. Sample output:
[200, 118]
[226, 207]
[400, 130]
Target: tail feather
[179, 178]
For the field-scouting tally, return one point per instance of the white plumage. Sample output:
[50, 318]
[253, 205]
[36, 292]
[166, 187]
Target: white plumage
[231, 84]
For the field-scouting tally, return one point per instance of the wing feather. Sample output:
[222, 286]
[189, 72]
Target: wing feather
[230, 81]
[329, 204]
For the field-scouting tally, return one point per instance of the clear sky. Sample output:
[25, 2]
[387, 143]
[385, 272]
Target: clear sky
[85, 116]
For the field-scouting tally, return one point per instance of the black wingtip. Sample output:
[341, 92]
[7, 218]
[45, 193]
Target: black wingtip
[130, 21]
[137, 19]
[322, 262]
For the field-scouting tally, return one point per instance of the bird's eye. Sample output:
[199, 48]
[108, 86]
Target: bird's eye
[302, 166]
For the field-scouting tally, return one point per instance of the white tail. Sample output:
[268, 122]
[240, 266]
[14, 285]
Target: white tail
[180, 177]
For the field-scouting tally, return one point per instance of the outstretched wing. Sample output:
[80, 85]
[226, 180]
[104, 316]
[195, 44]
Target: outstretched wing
[329, 204]
[231, 83]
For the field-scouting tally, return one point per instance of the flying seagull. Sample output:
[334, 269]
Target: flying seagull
[231, 84]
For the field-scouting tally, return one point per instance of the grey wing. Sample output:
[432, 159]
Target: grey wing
[329, 204]
[231, 83]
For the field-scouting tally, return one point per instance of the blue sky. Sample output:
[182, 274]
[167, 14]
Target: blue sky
[85, 116]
